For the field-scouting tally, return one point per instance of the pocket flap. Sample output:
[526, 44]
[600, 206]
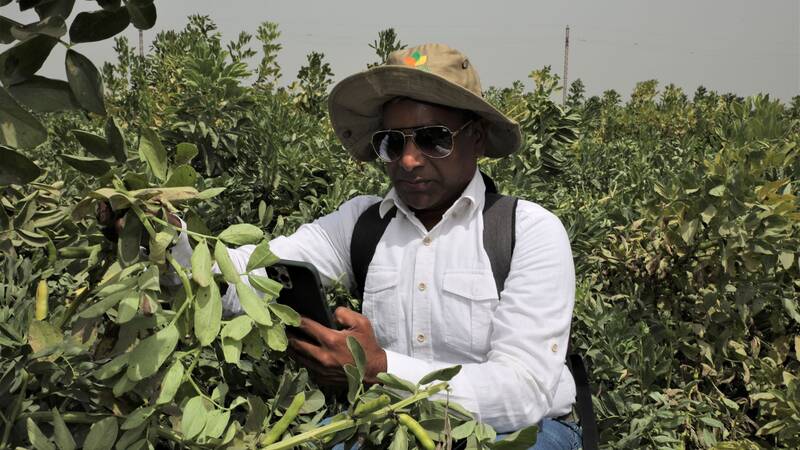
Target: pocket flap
[473, 285]
[379, 280]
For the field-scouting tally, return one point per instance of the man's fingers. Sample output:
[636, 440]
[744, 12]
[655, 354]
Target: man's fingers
[316, 330]
[346, 317]
[304, 347]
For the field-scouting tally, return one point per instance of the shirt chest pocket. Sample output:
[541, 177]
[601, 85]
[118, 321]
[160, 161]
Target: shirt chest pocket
[381, 305]
[469, 301]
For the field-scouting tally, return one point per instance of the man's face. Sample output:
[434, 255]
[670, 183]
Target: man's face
[431, 183]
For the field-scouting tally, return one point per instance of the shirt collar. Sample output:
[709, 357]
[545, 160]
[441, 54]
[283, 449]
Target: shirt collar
[473, 197]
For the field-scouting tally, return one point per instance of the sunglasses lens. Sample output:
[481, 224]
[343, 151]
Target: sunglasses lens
[388, 144]
[436, 142]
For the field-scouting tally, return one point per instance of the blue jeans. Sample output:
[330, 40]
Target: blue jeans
[553, 435]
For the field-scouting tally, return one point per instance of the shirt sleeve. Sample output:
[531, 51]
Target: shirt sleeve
[516, 384]
[324, 243]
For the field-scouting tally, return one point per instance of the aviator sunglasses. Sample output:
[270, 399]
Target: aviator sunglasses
[434, 141]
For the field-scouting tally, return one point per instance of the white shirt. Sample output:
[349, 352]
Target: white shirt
[432, 300]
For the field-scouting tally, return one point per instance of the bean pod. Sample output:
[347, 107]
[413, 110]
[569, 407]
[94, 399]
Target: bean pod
[40, 310]
[282, 425]
[416, 429]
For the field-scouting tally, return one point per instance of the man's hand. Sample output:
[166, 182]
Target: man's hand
[112, 222]
[327, 356]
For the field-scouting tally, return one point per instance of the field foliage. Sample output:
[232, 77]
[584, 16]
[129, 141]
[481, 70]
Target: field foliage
[681, 211]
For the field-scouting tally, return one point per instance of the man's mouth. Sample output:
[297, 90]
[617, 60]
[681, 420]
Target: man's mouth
[415, 185]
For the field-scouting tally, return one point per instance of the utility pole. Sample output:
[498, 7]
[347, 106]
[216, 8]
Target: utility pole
[141, 44]
[566, 66]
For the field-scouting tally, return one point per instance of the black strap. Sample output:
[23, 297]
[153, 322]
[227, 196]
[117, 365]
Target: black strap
[366, 234]
[583, 402]
[499, 220]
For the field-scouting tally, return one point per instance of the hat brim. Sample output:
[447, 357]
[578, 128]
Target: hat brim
[355, 105]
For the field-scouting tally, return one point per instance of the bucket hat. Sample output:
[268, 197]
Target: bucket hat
[432, 73]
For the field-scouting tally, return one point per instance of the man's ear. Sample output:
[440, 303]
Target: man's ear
[478, 136]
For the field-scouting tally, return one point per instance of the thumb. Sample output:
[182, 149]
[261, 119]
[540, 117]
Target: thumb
[346, 317]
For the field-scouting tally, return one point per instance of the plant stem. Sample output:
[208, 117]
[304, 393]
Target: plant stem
[190, 233]
[342, 425]
[187, 287]
[12, 418]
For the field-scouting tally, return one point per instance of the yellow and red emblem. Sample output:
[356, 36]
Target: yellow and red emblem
[416, 59]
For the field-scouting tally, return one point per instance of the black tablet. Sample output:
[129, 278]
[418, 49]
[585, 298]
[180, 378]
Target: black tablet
[302, 290]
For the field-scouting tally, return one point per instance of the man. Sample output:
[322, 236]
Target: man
[429, 298]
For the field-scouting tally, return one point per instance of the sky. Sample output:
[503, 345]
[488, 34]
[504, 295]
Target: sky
[744, 47]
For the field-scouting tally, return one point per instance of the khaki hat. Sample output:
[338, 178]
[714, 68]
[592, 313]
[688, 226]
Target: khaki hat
[433, 73]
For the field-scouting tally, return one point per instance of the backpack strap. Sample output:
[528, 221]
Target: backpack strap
[499, 223]
[583, 402]
[366, 234]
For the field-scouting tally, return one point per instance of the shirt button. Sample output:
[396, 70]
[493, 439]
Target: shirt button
[554, 348]
[422, 286]
[420, 338]
[426, 241]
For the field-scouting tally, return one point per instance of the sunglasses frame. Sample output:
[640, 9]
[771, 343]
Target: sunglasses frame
[414, 132]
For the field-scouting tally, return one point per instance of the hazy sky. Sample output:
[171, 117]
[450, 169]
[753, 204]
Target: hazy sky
[727, 45]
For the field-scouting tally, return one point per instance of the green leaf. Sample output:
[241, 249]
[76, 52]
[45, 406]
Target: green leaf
[137, 417]
[286, 314]
[143, 13]
[37, 438]
[201, 264]
[16, 168]
[50, 26]
[790, 305]
[127, 308]
[462, 431]
[52, 8]
[225, 264]
[87, 165]
[152, 152]
[266, 285]
[158, 246]
[786, 259]
[241, 234]
[110, 5]
[18, 128]
[182, 175]
[61, 434]
[195, 413]
[130, 239]
[85, 81]
[151, 353]
[116, 142]
[148, 280]
[207, 314]
[216, 422]
[112, 367]
[276, 338]
[717, 191]
[98, 25]
[129, 437]
[102, 435]
[42, 94]
[359, 356]
[232, 350]
[210, 193]
[23, 60]
[445, 374]
[6, 25]
[395, 382]
[261, 257]
[354, 380]
[42, 335]
[237, 328]
[171, 382]
[400, 439]
[185, 152]
[712, 422]
[93, 143]
[519, 440]
[253, 305]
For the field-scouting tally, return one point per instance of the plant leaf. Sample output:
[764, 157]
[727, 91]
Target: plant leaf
[171, 382]
[216, 422]
[353, 382]
[207, 314]
[137, 417]
[18, 128]
[151, 353]
[93, 143]
[85, 81]
[153, 153]
[98, 25]
[23, 60]
[253, 305]
[185, 152]
[519, 440]
[16, 168]
[87, 165]
[42, 94]
[395, 382]
[237, 328]
[445, 374]
[400, 439]
[286, 314]
[359, 356]
[241, 234]
[276, 337]
[225, 264]
[262, 256]
[61, 434]
[201, 264]
[130, 239]
[143, 13]
[183, 175]
[116, 142]
[37, 438]
[112, 367]
[49, 26]
[102, 435]
[267, 285]
[195, 414]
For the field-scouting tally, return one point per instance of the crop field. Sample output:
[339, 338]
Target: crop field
[681, 210]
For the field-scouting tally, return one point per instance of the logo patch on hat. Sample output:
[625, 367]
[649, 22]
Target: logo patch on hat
[417, 60]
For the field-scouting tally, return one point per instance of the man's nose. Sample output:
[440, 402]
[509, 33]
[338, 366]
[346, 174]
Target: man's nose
[412, 157]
